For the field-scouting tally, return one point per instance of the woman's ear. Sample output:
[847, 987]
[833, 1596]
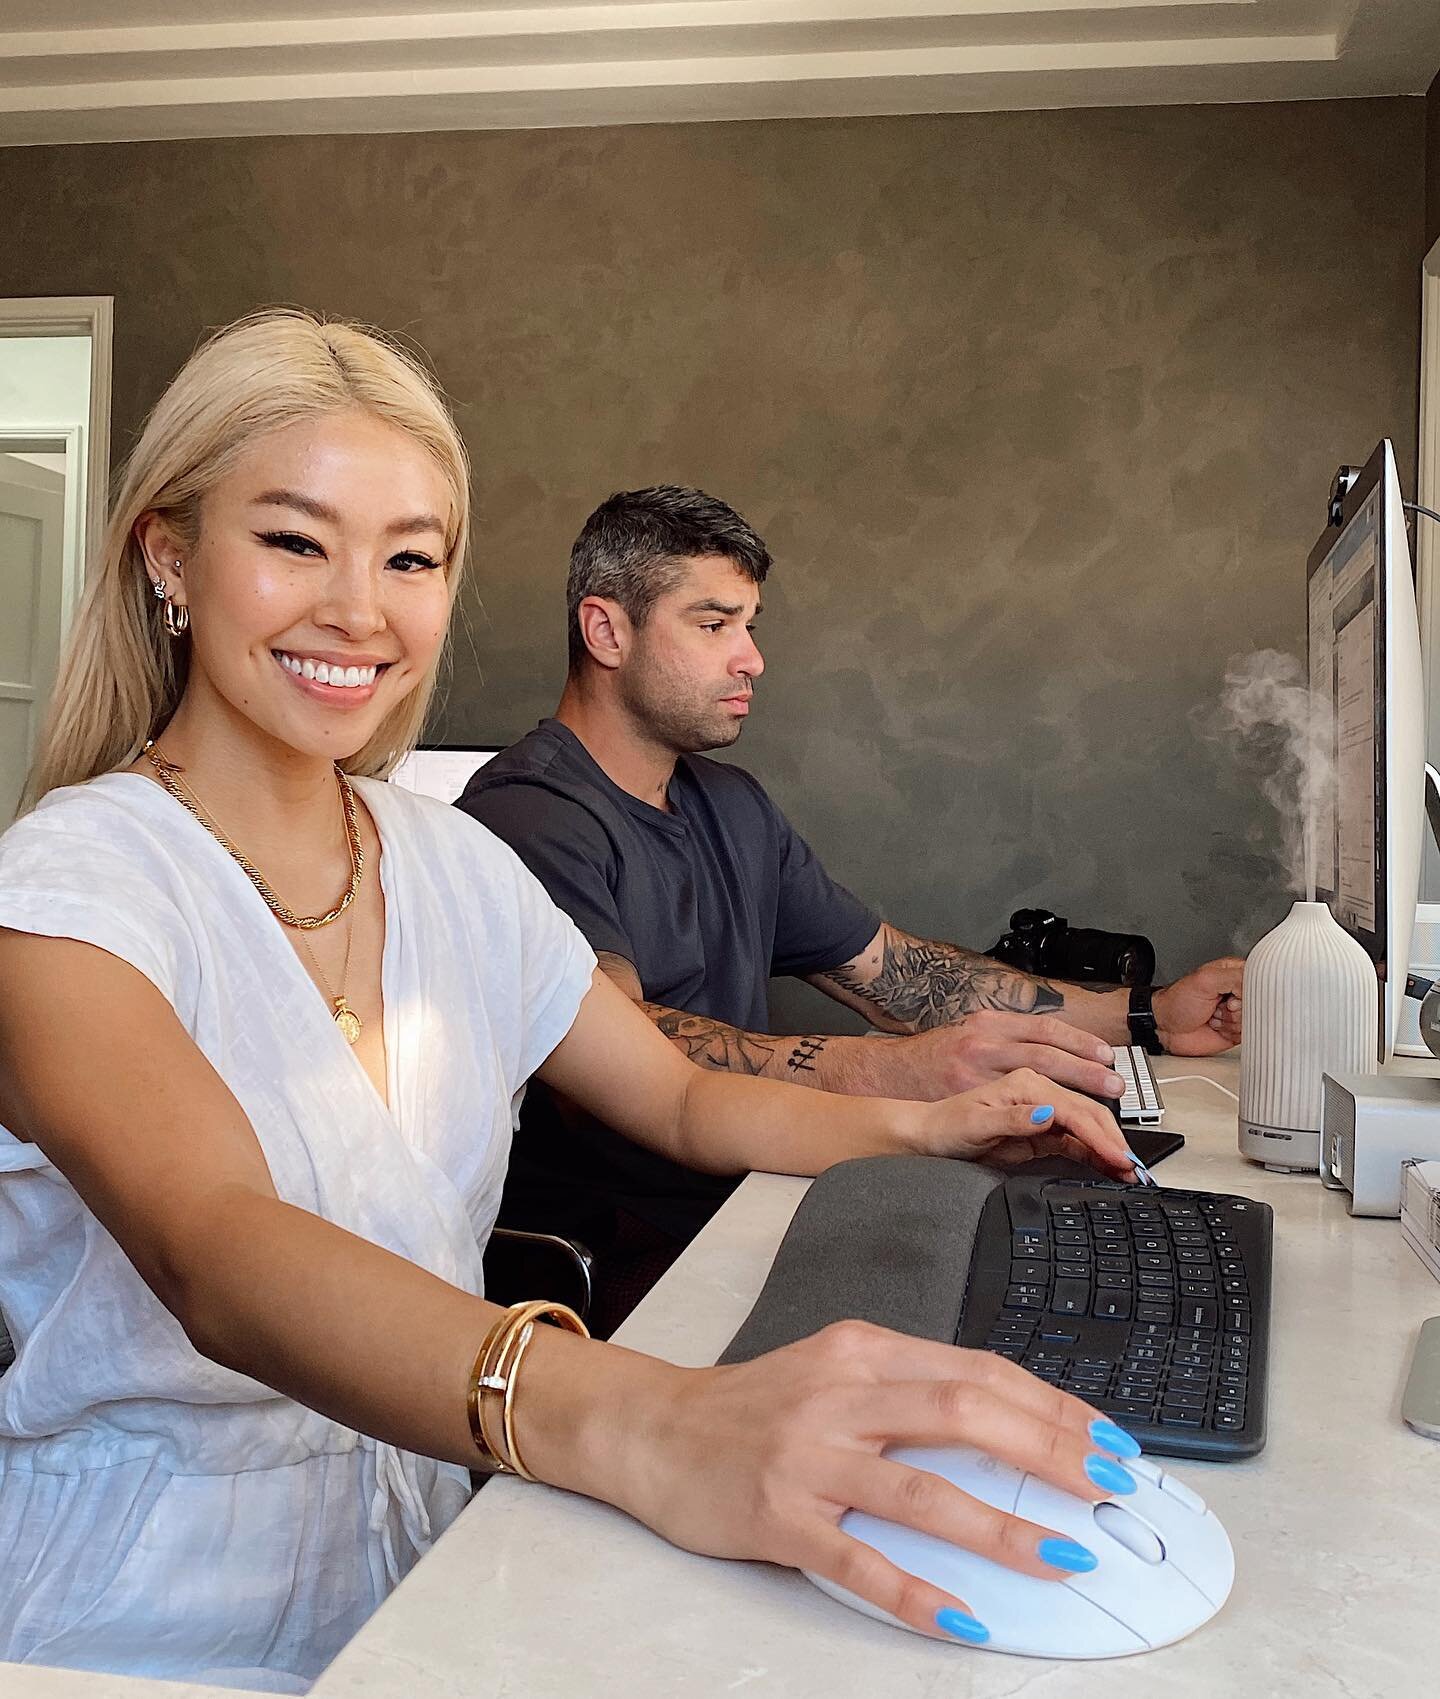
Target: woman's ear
[163, 559]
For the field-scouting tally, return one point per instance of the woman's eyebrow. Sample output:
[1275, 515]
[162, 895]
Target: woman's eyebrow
[314, 509]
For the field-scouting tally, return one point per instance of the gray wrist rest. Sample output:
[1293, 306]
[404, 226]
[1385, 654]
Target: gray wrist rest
[885, 1239]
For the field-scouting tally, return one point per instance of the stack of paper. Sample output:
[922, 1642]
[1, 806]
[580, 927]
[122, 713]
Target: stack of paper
[1420, 1211]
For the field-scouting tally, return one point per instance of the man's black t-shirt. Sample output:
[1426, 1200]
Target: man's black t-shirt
[706, 901]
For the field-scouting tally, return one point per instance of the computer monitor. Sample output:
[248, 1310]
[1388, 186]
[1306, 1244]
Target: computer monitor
[1365, 681]
[442, 770]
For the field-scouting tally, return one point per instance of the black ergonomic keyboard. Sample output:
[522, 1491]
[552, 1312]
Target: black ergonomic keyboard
[1151, 1304]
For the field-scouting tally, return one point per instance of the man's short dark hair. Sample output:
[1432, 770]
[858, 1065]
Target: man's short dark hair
[637, 544]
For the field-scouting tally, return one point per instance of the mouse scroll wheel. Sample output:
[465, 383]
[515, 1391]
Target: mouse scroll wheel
[1120, 1524]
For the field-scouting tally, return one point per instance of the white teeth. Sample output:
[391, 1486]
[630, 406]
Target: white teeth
[337, 677]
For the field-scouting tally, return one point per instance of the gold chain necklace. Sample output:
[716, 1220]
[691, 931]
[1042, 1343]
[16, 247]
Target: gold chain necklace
[169, 776]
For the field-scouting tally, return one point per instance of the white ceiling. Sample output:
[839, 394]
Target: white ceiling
[109, 70]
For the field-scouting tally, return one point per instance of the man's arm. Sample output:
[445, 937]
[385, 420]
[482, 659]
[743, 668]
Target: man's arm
[905, 984]
[926, 1065]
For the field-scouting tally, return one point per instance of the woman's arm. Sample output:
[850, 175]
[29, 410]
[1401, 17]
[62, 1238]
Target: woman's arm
[754, 1461]
[615, 1063]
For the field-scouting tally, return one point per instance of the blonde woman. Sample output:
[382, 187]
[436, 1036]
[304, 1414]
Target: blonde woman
[262, 1020]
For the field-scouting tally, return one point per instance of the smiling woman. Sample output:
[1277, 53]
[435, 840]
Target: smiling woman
[263, 1021]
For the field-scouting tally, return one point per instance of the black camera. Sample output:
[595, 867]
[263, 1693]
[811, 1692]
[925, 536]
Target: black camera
[1043, 943]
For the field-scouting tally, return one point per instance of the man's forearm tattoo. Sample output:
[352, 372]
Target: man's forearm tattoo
[806, 1053]
[924, 983]
[714, 1044]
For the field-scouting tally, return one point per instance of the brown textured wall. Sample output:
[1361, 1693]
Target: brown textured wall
[1037, 411]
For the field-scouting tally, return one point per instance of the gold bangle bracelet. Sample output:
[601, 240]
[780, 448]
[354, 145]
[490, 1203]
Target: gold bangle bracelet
[494, 1376]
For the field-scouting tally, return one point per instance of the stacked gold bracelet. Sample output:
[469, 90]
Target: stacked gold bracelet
[494, 1376]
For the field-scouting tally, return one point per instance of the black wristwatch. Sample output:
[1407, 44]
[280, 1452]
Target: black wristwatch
[1143, 1030]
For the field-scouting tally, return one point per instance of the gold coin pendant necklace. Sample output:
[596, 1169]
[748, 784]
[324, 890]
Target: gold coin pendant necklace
[346, 1019]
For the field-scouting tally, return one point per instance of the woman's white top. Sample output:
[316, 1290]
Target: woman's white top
[160, 1514]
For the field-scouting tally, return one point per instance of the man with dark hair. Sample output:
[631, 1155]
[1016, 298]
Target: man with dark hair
[693, 889]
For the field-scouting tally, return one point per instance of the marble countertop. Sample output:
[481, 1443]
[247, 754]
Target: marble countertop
[538, 1593]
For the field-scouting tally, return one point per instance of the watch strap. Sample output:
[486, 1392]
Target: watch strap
[1141, 1020]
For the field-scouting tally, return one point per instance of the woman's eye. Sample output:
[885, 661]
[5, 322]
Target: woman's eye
[410, 561]
[291, 541]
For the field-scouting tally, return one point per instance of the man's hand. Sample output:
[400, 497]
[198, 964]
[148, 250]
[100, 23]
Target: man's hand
[1199, 1015]
[986, 1046]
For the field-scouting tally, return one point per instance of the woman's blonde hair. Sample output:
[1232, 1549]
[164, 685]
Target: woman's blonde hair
[121, 676]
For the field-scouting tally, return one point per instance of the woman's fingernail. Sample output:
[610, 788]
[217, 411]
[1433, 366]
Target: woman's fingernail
[1142, 1173]
[1039, 1115]
[1114, 1083]
[1107, 1473]
[962, 1627]
[1067, 1554]
[1113, 1437]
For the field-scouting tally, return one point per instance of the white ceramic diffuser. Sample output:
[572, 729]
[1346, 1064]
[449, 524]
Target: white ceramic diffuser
[1310, 1008]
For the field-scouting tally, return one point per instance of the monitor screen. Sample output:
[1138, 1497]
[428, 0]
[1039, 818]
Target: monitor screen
[442, 771]
[1367, 694]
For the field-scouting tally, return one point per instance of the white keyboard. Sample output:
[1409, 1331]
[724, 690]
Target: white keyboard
[1141, 1104]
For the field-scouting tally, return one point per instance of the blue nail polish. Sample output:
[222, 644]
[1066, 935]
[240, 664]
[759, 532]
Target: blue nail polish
[1108, 1474]
[1039, 1115]
[1067, 1554]
[963, 1627]
[1142, 1173]
[1110, 1436]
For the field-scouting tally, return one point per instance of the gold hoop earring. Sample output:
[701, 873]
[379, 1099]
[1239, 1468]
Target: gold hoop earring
[176, 617]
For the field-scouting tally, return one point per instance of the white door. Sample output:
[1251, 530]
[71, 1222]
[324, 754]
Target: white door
[32, 524]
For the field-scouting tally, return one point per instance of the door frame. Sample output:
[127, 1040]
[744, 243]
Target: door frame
[76, 315]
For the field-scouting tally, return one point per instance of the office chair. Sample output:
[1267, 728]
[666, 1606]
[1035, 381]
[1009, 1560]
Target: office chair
[538, 1265]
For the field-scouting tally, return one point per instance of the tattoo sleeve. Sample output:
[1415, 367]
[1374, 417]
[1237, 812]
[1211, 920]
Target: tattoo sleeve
[921, 983]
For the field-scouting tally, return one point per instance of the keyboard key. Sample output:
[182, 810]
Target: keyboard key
[1150, 1260]
[1144, 1332]
[1070, 1237]
[1018, 1300]
[1070, 1298]
[1237, 1321]
[1184, 1400]
[1112, 1306]
[1029, 1242]
[1028, 1273]
[1231, 1284]
[1202, 1312]
[1052, 1334]
[1155, 1280]
[1151, 1311]
[1115, 1282]
[1196, 1289]
[1138, 1390]
[1127, 1407]
[1173, 1417]
[1146, 1354]
[1229, 1424]
[1113, 1265]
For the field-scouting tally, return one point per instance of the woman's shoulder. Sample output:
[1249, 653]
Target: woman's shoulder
[81, 830]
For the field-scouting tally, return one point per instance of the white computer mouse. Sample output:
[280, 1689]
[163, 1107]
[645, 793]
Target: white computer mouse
[1165, 1561]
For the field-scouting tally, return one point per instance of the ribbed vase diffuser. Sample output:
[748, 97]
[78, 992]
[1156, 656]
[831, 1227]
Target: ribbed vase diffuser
[1310, 1008]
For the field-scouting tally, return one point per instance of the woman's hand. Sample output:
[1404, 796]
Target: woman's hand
[1024, 1115]
[761, 1460]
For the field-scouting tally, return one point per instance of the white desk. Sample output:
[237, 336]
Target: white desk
[1336, 1525]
